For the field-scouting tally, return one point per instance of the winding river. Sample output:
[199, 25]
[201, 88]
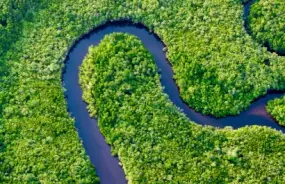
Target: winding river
[107, 166]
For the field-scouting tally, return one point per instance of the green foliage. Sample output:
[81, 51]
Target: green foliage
[42, 145]
[277, 109]
[155, 142]
[12, 15]
[267, 23]
[38, 141]
[218, 67]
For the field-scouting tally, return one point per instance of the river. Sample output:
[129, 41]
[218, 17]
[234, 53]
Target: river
[107, 166]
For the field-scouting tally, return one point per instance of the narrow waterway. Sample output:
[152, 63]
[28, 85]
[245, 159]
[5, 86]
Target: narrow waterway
[107, 166]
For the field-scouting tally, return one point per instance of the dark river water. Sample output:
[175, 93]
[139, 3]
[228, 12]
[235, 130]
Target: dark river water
[107, 166]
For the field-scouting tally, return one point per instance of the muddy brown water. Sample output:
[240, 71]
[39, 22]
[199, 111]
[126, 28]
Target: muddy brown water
[107, 166]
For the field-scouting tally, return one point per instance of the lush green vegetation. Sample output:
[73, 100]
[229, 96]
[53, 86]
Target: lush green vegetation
[38, 141]
[155, 142]
[218, 67]
[267, 23]
[277, 109]
[12, 14]
[267, 26]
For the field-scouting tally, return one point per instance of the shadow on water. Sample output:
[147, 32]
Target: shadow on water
[107, 166]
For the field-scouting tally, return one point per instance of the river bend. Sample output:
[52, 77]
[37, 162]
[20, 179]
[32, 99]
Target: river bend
[107, 166]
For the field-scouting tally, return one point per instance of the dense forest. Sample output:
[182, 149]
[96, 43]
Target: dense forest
[38, 141]
[267, 23]
[12, 15]
[155, 142]
[218, 67]
[277, 109]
